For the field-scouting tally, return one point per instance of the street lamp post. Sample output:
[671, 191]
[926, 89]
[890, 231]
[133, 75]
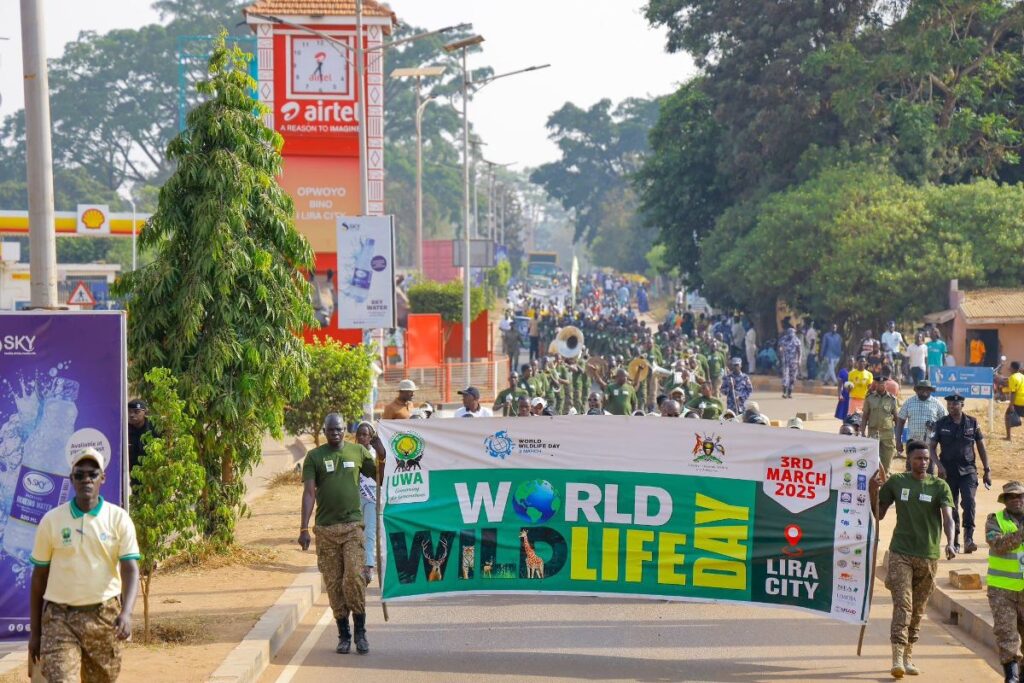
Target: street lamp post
[464, 45]
[421, 106]
[42, 236]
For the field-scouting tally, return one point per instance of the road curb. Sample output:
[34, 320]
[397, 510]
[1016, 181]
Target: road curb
[246, 663]
[977, 622]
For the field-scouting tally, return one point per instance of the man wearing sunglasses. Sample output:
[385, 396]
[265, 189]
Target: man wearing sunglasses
[84, 582]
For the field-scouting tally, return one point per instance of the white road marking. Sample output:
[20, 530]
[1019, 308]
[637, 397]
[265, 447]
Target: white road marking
[300, 655]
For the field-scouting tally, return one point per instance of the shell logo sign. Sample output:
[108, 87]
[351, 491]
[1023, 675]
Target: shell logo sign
[93, 219]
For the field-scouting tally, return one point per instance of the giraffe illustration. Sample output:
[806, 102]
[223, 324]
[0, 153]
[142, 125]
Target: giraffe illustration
[534, 565]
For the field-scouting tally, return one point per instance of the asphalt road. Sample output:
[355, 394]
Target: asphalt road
[555, 637]
[517, 638]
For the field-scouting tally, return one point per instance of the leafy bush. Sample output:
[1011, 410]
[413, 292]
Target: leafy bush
[446, 299]
[168, 482]
[339, 382]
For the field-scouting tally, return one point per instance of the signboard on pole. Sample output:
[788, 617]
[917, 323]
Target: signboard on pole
[969, 382]
[711, 512]
[93, 219]
[63, 388]
[81, 296]
[366, 272]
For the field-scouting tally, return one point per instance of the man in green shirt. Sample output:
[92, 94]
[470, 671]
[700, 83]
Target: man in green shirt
[620, 396]
[704, 404]
[506, 400]
[330, 476]
[531, 382]
[924, 503]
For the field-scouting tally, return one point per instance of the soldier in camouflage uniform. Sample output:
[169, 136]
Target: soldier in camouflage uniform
[330, 475]
[84, 581]
[790, 351]
[923, 503]
[1004, 531]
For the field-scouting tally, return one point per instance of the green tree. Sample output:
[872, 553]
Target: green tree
[167, 483]
[601, 148]
[224, 302]
[339, 379]
[681, 189]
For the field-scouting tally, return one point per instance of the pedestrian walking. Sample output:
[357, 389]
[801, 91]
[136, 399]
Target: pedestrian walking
[831, 352]
[957, 437]
[750, 341]
[736, 387]
[1004, 532]
[85, 579]
[936, 350]
[138, 426]
[471, 404]
[917, 358]
[401, 407]
[365, 434]
[918, 415]
[790, 351]
[330, 476]
[1015, 388]
[843, 386]
[879, 420]
[923, 507]
[862, 379]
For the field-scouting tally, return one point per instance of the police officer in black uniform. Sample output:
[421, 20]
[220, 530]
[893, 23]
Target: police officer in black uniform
[138, 426]
[957, 436]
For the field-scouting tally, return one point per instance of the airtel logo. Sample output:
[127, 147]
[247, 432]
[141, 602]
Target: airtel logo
[331, 112]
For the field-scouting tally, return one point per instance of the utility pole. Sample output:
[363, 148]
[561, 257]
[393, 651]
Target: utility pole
[364, 194]
[39, 158]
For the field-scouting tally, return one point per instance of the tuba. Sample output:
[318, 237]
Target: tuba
[569, 342]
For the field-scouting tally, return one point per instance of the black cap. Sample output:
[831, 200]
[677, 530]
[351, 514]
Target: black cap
[470, 391]
[136, 404]
[955, 396]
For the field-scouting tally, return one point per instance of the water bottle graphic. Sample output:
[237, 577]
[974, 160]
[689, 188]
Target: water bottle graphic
[362, 274]
[42, 481]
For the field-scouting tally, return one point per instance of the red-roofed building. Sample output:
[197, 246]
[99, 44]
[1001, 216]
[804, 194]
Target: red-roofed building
[994, 317]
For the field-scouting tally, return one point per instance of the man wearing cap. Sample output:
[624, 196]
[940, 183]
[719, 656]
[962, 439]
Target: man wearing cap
[507, 398]
[880, 410]
[923, 508]
[1004, 531]
[84, 581]
[330, 476]
[918, 415]
[471, 404]
[957, 436]
[736, 387]
[138, 426]
[401, 407]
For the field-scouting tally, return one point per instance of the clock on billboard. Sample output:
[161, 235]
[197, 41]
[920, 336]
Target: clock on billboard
[318, 68]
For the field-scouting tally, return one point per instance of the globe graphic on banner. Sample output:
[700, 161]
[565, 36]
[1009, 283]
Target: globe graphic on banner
[536, 501]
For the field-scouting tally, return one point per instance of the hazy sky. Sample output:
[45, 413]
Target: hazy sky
[597, 48]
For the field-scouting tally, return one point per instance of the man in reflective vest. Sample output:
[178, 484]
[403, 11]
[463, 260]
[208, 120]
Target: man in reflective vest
[1004, 531]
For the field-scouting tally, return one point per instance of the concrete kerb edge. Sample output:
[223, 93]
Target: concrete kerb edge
[247, 661]
[12, 661]
[978, 625]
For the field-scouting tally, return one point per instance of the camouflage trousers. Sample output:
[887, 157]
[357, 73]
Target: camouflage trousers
[1008, 622]
[340, 558]
[911, 581]
[789, 372]
[80, 643]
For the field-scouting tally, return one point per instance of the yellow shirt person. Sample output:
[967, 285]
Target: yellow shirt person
[862, 380]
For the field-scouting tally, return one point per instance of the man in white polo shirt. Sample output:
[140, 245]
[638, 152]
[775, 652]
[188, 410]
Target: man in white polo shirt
[84, 582]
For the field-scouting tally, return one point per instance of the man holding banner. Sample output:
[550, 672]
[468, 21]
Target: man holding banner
[924, 504]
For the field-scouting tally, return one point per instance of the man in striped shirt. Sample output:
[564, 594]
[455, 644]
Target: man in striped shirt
[919, 413]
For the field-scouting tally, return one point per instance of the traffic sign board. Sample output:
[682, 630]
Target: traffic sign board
[969, 382]
[81, 296]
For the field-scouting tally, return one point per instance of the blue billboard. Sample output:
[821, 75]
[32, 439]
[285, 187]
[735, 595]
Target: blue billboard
[969, 382]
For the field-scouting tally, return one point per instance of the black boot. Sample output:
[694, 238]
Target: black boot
[362, 645]
[1012, 671]
[344, 637]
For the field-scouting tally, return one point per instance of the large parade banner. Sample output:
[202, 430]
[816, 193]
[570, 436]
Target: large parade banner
[62, 389]
[635, 507]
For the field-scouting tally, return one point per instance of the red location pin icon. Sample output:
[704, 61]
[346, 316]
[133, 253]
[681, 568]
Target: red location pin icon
[793, 535]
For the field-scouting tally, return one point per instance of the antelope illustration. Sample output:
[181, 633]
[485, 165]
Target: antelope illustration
[435, 565]
[534, 565]
[468, 557]
[488, 566]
